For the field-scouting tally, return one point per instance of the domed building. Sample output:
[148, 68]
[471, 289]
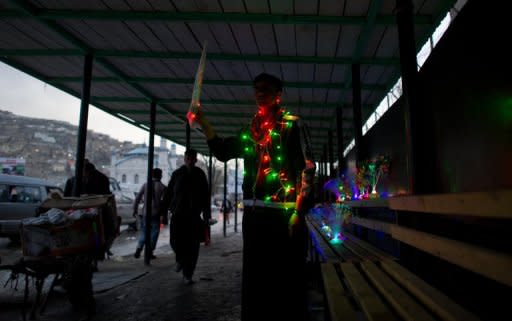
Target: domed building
[130, 168]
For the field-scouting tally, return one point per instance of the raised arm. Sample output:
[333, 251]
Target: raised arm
[207, 128]
[223, 149]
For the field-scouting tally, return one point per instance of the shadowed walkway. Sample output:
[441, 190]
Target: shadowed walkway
[158, 292]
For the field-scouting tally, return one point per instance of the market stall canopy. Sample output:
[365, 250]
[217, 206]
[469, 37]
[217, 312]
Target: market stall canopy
[148, 51]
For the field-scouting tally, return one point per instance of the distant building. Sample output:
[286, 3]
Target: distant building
[12, 166]
[45, 137]
[130, 168]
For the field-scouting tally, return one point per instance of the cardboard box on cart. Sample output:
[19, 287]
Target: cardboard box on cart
[87, 235]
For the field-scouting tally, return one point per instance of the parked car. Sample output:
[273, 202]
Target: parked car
[124, 203]
[20, 197]
[125, 209]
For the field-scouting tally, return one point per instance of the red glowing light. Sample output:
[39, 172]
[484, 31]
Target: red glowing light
[191, 117]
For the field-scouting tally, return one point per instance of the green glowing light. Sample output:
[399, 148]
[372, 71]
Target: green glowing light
[336, 241]
[507, 108]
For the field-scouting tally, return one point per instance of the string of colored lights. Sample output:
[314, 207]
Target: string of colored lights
[265, 140]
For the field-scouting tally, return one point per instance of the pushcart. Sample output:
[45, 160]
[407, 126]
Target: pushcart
[68, 253]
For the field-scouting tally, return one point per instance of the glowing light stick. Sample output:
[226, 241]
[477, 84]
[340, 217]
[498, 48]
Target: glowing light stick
[195, 103]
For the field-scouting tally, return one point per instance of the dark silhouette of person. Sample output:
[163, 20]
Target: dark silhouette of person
[156, 218]
[70, 183]
[68, 188]
[95, 182]
[80, 288]
[277, 190]
[226, 210]
[187, 197]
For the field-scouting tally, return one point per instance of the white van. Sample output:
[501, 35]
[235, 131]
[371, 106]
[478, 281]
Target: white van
[20, 197]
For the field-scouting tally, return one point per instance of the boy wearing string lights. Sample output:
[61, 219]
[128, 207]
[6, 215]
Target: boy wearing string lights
[278, 175]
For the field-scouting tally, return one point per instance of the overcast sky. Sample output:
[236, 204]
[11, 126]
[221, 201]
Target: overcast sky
[24, 95]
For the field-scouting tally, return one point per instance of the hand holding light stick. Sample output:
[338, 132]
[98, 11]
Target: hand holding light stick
[195, 104]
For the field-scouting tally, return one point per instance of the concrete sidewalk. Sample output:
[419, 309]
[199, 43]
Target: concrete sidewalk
[126, 289]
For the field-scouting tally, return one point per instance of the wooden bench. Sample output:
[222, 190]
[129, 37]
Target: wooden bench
[384, 290]
[351, 249]
[361, 282]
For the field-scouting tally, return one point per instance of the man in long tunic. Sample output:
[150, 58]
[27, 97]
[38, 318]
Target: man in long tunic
[187, 197]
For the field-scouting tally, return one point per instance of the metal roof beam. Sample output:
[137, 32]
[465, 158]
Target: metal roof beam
[217, 82]
[39, 76]
[225, 17]
[251, 103]
[214, 114]
[169, 123]
[317, 137]
[31, 10]
[241, 57]
[100, 53]
[362, 42]
[315, 128]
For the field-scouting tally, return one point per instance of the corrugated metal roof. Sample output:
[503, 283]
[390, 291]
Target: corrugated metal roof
[149, 50]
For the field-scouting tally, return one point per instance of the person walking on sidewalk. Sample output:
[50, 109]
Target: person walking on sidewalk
[186, 197]
[226, 210]
[156, 216]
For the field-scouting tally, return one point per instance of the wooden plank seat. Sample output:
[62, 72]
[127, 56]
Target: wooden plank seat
[365, 283]
[339, 302]
[434, 299]
[349, 249]
[319, 249]
[487, 262]
[384, 290]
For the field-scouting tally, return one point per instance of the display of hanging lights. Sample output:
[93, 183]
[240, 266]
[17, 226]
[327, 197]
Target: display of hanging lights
[265, 137]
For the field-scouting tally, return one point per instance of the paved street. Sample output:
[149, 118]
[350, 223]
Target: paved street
[126, 289]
